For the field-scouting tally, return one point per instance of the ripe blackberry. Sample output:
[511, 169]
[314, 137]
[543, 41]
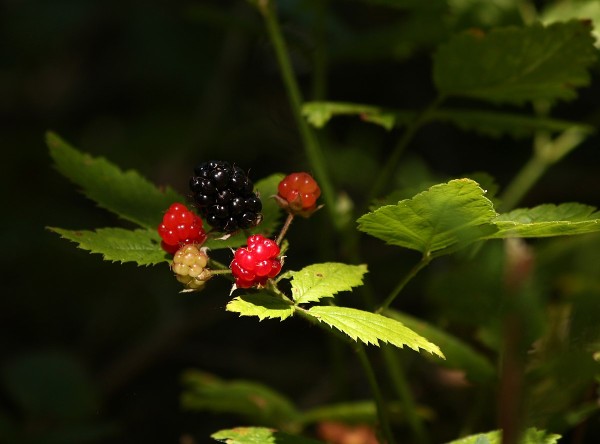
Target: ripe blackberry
[254, 264]
[224, 196]
[180, 227]
[298, 193]
[189, 266]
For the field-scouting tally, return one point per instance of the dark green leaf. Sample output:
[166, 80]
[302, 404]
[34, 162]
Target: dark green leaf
[118, 244]
[125, 193]
[517, 65]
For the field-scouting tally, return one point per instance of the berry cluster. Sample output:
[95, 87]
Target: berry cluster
[189, 266]
[224, 197]
[299, 192]
[180, 227]
[254, 264]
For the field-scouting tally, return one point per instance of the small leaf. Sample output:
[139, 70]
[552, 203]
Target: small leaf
[325, 280]
[118, 244]
[530, 436]
[259, 435]
[125, 193]
[371, 328]
[271, 212]
[515, 65]
[459, 355]
[318, 114]
[262, 305]
[254, 401]
[548, 220]
[453, 214]
[496, 124]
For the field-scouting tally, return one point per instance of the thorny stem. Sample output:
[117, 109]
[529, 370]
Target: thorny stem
[425, 259]
[311, 145]
[284, 229]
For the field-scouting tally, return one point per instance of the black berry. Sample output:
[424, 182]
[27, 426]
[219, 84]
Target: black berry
[224, 196]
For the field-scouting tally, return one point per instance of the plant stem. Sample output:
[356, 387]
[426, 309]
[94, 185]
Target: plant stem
[546, 153]
[392, 162]
[312, 148]
[400, 384]
[284, 229]
[425, 259]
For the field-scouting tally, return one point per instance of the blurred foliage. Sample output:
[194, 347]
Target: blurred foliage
[92, 352]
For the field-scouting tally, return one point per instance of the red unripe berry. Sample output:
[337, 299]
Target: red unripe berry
[300, 191]
[180, 227]
[254, 264]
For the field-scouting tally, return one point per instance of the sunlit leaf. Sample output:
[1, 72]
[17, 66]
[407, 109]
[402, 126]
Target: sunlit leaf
[319, 113]
[325, 280]
[531, 436]
[262, 305]
[259, 435]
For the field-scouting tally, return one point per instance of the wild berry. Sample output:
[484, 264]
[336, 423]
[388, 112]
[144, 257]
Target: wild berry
[180, 227]
[299, 192]
[189, 266]
[224, 196]
[254, 264]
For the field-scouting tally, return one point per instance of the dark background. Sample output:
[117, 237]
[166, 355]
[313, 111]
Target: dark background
[92, 351]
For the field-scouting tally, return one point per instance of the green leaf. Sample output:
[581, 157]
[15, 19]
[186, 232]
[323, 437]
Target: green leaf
[575, 9]
[459, 355]
[453, 214]
[318, 114]
[259, 435]
[531, 436]
[262, 305]
[325, 280]
[271, 212]
[255, 402]
[496, 124]
[515, 65]
[371, 328]
[118, 244]
[124, 193]
[548, 220]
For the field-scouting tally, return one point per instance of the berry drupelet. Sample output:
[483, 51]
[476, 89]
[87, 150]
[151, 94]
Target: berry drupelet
[254, 264]
[180, 227]
[224, 196]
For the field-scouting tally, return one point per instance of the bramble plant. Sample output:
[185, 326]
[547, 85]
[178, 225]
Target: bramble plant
[511, 328]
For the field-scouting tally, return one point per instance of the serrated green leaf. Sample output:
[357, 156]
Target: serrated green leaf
[459, 355]
[271, 212]
[548, 220]
[256, 402]
[318, 114]
[372, 328]
[259, 435]
[447, 215]
[516, 65]
[125, 193]
[262, 305]
[118, 244]
[496, 124]
[325, 280]
[530, 436]
[574, 9]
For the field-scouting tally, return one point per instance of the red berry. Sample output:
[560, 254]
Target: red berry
[180, 227]
[300, 191]
[254, 264]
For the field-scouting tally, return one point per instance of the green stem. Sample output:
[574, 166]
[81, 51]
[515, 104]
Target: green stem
[545, 154]
[285, 228]
[401, 387]
[425, 259]
[311, 144]
[391, 162]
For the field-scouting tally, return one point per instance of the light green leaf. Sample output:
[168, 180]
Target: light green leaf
[548, 220]
[453, 214]
[318, 114]
[325, 280]
[125, 193]
[262, 305]
[118, 244]
[574, 9]
[516, 65]
[496, 124]
[271, 212]
[531, 436]
[371, 328]
[459, 355]
[259, 435]
[254, 401]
